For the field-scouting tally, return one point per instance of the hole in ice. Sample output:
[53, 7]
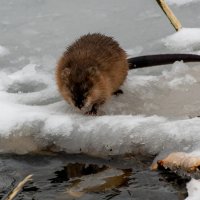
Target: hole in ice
[26, 87]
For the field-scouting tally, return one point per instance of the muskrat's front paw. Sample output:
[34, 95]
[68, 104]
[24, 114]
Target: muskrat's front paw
[93, 110]
[118, 92]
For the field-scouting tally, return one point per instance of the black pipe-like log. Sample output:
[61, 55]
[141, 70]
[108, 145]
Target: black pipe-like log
[160, 59]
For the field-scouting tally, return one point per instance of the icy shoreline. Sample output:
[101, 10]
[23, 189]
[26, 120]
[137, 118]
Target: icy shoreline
[154, 125]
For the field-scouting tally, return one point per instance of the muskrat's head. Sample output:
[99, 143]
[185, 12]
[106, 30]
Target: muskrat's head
[82, 88]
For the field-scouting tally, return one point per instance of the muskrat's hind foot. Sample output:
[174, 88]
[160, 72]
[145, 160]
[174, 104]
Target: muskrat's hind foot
[118, 92]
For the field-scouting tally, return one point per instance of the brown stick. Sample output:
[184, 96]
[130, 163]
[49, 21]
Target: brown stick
[168, 12]
[20, 185]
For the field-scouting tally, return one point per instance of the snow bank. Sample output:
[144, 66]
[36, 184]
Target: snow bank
[193, 188]
[187, 39]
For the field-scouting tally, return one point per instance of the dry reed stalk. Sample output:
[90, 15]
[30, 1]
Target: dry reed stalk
[168, 12]
[18, 188]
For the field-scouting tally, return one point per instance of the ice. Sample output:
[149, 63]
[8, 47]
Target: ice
[193, 188]
[134, 52]
[159, 109]
[181, 2]
[3, 51]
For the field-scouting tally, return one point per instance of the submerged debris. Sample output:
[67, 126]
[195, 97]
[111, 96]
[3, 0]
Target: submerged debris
[179, 161]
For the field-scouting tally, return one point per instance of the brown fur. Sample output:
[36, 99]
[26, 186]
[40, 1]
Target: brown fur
[91, 70]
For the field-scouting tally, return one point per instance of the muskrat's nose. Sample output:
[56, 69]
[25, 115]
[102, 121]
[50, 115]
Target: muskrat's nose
[79, 105]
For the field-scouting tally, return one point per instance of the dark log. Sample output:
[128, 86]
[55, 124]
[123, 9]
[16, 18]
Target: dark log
[160, 59]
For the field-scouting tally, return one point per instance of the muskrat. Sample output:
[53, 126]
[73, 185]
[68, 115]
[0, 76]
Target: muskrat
[95, 66]
[90, 71]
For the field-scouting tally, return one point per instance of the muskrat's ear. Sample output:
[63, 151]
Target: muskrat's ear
[92, 70]
[65, 72]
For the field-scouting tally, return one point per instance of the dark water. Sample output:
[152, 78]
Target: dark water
[55, 175]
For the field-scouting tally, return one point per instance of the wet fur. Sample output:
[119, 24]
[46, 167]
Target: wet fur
[91, 70]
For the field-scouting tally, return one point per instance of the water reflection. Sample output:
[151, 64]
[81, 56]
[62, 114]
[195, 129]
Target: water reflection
[64, 177]
[91, 178]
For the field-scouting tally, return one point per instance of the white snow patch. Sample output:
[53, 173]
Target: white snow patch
[193, 188]
[180, 82]
[187, 39]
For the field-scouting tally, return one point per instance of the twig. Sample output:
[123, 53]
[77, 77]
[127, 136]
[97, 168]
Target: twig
[172, 18]
[18, 188]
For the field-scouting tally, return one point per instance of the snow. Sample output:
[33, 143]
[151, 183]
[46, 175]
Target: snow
[187, 39]
[157, 112]
[193, 188]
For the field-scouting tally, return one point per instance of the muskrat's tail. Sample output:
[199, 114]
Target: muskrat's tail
[160, 59]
